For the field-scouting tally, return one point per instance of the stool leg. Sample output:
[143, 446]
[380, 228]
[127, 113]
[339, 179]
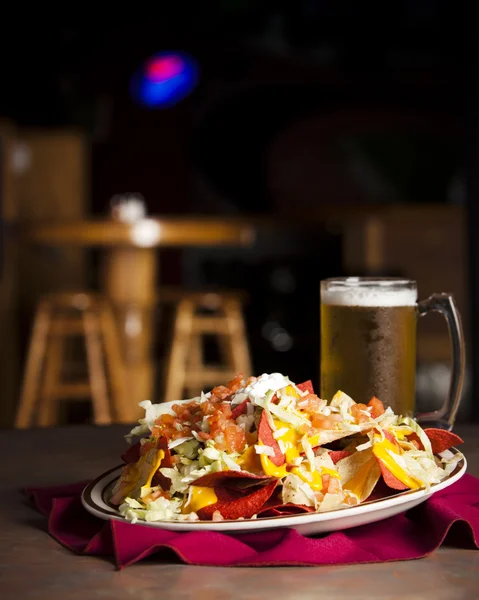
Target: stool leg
[48, 410]
[235, 344]
[176, 364]
[33, 366]
[121, 408]
[96, 370]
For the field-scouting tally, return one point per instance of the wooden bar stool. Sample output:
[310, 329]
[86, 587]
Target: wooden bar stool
[199, 314]
[58, 318]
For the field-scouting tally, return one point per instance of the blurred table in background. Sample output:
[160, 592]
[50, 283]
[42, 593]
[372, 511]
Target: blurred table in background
[129, 276]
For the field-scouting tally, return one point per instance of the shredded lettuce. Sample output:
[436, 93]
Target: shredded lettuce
[263, 449]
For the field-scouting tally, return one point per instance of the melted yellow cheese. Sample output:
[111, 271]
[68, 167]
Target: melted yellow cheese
[381, 449]
[330, 472]
[314, 478]
[357, 483]
[271, 469]
[156, 465]
[200, 497]
[402, 433]
[248, 461]
[290, 440]
[290, 391]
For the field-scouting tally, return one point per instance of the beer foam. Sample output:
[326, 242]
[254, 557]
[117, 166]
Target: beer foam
[368, 296]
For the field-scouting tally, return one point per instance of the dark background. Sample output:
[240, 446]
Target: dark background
[299, 104]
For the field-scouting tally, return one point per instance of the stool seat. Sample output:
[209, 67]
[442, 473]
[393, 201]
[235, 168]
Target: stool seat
[211, 297]
[59, 317]
[215, 314]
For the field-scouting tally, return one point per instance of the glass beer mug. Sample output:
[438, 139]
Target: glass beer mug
[368, 343]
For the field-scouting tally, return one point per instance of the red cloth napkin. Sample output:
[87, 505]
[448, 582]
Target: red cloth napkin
[454, 513]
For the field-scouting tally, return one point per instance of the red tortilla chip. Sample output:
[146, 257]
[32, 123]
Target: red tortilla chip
[265, 436]
[389, 436]
[337, 455]
[240, 409]
[238, 480]
[132, 455]
[232, 505]
[306, 386]
[441, 439]
[389, 479]
[381, 491]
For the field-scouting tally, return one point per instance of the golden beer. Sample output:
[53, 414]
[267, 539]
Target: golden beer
[368, 344]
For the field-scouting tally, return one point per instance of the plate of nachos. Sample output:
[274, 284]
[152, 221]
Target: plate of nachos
[265, 452]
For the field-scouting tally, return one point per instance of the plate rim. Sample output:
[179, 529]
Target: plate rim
[296, 520]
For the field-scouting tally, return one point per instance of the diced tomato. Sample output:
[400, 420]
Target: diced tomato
[309, 403]
[188, 418]
[235, 439]
[360, 413]
[377, 407]
[236, 383]
[325, 481]
[319, 421]
[334, 486]
[167, 419]
[221, 392]
[207, 408]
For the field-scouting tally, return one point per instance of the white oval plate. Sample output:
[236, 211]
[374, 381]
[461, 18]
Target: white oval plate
[94, 499]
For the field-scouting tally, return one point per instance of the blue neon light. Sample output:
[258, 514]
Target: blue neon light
[164, 80]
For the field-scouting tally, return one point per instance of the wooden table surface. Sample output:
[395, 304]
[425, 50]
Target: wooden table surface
[32, 565]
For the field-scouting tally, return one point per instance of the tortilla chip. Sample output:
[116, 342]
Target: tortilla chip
[359, 473]
[131, 455]
[159, 478]
[337, 455]
[265, 437]
[135, 475]
[306, 386]
[441, 439]
[382, 491]
[389, 479]
[234, 505]
[238, 480]
[240, 409]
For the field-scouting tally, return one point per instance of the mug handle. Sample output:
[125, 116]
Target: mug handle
[446, 305]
